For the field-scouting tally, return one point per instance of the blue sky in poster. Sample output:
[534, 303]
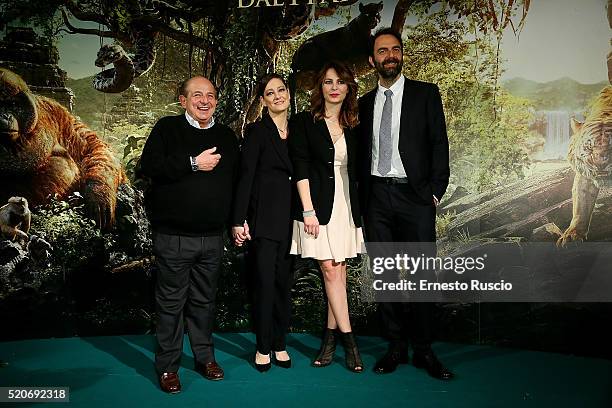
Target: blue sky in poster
[562, 38]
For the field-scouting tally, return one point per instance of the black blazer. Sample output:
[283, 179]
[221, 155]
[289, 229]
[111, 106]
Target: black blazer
[423, 143]
[312, 153]
[264, 189]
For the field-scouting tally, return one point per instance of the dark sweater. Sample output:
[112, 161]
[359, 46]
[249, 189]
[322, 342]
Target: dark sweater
[184, 202]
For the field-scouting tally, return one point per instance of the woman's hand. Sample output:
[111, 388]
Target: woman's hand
[311, 225]
[240, 234]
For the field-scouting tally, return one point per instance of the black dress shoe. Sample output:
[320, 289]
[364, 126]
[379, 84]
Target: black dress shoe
[389, 362]
[430, 363]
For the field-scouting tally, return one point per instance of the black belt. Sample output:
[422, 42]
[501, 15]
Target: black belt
[390, 180]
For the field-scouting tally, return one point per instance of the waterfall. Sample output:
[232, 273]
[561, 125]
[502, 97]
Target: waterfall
[557, 134]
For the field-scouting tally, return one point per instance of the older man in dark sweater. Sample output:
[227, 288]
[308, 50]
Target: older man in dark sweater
[192, 163]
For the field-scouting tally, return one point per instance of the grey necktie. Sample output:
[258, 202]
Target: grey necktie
[384, 135]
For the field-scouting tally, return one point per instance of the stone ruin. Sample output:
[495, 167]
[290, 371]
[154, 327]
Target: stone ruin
[35, 60]
[128, 109]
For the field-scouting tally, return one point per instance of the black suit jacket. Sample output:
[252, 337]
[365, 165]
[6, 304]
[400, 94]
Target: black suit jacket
[423, 143]
[263, 193]
[312, 153]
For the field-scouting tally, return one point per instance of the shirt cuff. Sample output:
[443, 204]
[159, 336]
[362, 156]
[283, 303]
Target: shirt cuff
[436, 201]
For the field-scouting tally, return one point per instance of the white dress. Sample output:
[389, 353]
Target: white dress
[339, 239]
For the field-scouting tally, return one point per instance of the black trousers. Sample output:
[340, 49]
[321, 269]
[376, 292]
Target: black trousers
[395, 214]
[188, 271]
[273, 278]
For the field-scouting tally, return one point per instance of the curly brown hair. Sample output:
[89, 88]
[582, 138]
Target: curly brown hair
[349, 111]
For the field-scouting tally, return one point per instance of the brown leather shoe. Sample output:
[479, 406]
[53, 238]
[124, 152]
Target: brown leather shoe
[170, 383]
[211, 371]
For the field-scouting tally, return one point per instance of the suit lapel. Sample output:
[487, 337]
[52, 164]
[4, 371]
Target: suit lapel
[276, 141]
[349, 134]
[322, 127]
[368, 122]
[404, 115]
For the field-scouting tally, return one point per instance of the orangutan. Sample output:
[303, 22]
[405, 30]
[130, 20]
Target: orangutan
[46, 152]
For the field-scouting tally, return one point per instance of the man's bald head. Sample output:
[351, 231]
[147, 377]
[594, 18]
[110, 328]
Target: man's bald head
[183, 87]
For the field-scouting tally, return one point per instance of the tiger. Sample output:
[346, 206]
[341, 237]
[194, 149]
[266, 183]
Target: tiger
[589, 155]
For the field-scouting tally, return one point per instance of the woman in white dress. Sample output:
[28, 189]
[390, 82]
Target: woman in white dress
[327, 220]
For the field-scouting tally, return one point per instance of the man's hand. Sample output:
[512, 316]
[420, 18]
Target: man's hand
[207, 160]
[241, 234]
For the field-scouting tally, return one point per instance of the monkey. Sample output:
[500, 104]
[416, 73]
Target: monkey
[15, 219]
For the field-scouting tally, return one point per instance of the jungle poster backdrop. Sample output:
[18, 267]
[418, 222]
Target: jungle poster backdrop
[527, 97]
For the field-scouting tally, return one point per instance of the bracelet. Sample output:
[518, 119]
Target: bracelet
[308, 213]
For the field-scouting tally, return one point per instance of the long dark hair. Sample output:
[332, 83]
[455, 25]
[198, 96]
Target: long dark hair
[349, 111]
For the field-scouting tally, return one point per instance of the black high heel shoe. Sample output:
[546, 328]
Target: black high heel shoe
[282, 363]
[263, 367]
[351, 352]
[327, 350]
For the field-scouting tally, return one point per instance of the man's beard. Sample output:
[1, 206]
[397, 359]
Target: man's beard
[389, 73]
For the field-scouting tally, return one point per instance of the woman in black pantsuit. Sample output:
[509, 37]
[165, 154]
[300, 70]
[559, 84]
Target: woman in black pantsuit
[262, 213]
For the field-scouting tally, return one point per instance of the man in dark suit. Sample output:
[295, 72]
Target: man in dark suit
[404, 173]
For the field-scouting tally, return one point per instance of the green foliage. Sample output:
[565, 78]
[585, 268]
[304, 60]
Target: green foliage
[486, 126]
[40, 15]
[442, 222]
[121, 15]
[74, 237]
[491, 140]
[243, 65]
[90, 104]
[128, 140]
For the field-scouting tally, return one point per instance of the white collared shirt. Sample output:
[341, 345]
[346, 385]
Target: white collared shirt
[397, 168]
[196, 124]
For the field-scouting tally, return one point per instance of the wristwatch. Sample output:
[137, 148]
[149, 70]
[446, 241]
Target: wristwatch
[194, 164]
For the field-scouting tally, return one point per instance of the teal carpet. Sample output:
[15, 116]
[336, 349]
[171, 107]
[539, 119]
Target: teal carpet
[118, 372]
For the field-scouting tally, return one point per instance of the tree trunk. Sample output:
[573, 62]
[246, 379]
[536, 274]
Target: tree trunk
[609, 7]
